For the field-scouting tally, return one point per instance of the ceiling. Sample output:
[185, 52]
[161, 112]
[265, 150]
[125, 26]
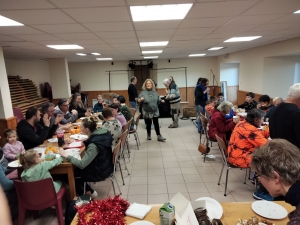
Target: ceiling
[106, 26]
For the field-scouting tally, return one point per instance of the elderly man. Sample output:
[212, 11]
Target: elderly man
[276, 102]
[285, 119]
[63, 109]
[173, 96]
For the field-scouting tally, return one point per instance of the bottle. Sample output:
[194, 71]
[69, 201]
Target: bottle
[60, 137]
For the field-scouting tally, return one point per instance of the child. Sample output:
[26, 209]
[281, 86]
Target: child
[13, 146]
[211, 105]
[36, 169]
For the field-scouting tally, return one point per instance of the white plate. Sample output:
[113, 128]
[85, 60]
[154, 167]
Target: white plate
[269, 209]
[79, 136]
[143, 222]
[76, 124]
[15, 163]
[75, 144]
[83, 118]
[213, 207]
[74, 152]
[52, 140]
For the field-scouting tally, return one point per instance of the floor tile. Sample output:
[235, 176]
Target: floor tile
[175, 179]
[139, 172]
[174, 188]
[157, 189]
[142, 199]
[210, 177]
[190, 171]
[192, 178]
[138, 180]
[156, 172]
[172, 171]
[196, 187]
[137, 190]
[243, 196]
[158, 199]
[195, 195]
[171, 164]
[157, 180]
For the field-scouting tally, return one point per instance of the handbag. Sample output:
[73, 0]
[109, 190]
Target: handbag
[204, 148]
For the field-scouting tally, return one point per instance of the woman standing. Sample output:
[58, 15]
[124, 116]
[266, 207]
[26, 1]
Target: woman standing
[77, 104]
[150, 100]
[201, 98]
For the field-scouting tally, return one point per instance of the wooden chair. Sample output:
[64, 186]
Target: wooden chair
[122, 156]
[133, 111]
[18, 114]
[134, 132]
[208, 114]
[127, 127]
[224, 154]
[115, 161]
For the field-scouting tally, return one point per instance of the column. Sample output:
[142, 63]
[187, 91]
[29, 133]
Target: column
[59, 78]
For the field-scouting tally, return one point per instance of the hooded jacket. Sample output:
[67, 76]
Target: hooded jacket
[68, 117]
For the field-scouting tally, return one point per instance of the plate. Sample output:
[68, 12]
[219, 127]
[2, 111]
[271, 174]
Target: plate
[74, 152]
[76, 124]
[15, 163]
[214, 209]
[143, 222]
[52, 140]
[83, 118]
[76, 144]
[79, 136]
[269, 209]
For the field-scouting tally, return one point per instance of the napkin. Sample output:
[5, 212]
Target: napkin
[138, 210]
[75, 144]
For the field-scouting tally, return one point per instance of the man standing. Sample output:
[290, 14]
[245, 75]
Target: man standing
[173, 96]
[63, 109]
[285, 118]
[132, 92]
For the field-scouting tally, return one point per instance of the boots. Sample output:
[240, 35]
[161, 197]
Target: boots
[160, 138]
[174, 125]
[148, 136]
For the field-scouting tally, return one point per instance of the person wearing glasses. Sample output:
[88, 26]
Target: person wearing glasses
[63, 109]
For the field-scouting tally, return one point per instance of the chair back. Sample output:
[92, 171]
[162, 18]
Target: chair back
[223, 149]
[204, 123]
[116, 152]
[126, 126]
[208, 115]
[132, 110]
[123, 138]
[36, 195]
[137, 120]
[130, 122]
[18, 113]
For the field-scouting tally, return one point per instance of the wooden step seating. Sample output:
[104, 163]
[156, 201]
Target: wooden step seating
[24, 93]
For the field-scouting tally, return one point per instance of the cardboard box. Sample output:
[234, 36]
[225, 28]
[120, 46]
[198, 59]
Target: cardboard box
[184, 210]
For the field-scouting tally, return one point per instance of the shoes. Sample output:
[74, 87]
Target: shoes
[172, 126]
[94, 195]
[202, 132]
[160, 138]
[263, 196]
[148, 136]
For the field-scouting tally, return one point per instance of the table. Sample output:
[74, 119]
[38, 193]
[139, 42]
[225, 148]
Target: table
[232, 211]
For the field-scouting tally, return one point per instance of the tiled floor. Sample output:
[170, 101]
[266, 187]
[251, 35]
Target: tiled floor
[158, 170]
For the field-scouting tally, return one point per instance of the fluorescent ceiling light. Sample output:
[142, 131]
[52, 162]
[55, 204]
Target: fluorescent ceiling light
[104, 59]
[8, 22]
[96, 54]
[297, 12]
[150, 57]
[237, 39]
[60, 47]
[215, 48]
[195, 55]
[150, 52]
[82, 54]
[160, 12]
[152, 44]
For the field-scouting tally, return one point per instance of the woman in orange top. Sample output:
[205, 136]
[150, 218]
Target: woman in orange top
[246, 137]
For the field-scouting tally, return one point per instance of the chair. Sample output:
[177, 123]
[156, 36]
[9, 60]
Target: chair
[116, 159]
[224, 154]
[127, 127]
[39, 195]
[208, 114]
[134, 132]
[18, 113]
[122, 156]
[132, 110]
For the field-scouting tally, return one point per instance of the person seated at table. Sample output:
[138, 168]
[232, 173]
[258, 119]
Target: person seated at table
[211, 105]
[277, 165]
[276, 101]
[264, 103]
[245, 137]
[115, 99]
[218, 123]
[36, 169]
[220, 97]
[13, 147]
[228, 115]
[250, 103]
[113, 125]
[78, 105]
[106, 103]
[48, 110]
[30, 132]
[63, 108]
[96, 164]
[124, 109]
[98, 106]
[115, 109]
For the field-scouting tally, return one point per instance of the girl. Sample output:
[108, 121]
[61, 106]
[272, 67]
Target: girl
[13, 146]
[35, 169]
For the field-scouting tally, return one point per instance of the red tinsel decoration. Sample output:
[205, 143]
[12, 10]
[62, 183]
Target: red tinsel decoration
[109, 211]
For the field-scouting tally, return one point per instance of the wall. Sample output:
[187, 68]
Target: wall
[230, 72]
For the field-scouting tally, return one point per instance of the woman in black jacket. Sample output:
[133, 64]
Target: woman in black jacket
[77, 104]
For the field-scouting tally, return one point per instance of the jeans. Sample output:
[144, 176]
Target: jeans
[133, 104]
[203, 112]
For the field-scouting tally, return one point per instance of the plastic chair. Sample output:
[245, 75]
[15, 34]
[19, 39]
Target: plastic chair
[18, 113]
[224, 154]
[115, 161]
[39, 195]
[134, 132]
[122, 156]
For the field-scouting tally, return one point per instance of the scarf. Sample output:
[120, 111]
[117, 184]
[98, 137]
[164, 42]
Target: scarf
[203, 89]
[293, 195]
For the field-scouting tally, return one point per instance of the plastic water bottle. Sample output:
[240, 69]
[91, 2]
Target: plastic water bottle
[60, 137]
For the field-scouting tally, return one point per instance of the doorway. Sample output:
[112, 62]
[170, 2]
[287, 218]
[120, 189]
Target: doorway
[142, 73]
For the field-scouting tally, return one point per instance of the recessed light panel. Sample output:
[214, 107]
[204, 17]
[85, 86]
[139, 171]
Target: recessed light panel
[159, 12]
[63, 47]
[196, 55]
[95, 53]
[215, 48]
[239, 39]
[153, 44]
[8, 22]
[82, 54]
[152, 52]
[297, 12]
[150, 57]
[104, 59]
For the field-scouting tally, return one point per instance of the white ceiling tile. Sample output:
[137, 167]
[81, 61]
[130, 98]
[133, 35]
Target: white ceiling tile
[60, 42]
[192, 31]
[219, 9]
[187, 37]
[121, 40]
[273, 7]
[85, 4]
[8, 38]
[36, 37]
[88, 42]
[19, 43]
[77, 36]
[19, 30]
[111, 26]
[28, 4]
[157, 25]
[157, 2]
[292, 18]
[105, 14]
[250, 20]
[44, 16]
[123, 34]
[232, 29]
[127, 45]
[274, 26]
[181, 43]
[61, 28]
[205, 22]
[156, 33]
[220, 36]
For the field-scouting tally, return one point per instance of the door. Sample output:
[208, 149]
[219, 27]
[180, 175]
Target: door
[141, 72]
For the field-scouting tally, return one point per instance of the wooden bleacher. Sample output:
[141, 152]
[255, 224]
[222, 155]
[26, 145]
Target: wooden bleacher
[24, 93]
